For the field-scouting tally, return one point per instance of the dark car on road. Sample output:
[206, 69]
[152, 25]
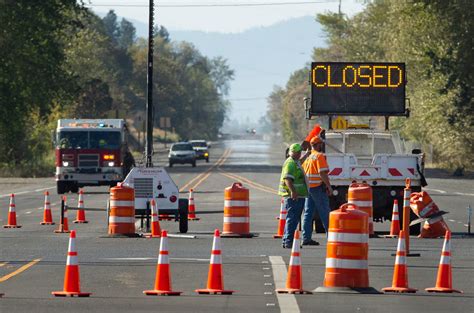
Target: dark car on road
[182, 153]
[202, 149]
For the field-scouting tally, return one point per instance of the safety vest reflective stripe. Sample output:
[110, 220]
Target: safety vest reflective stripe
[360, 203]
[426, 209]
[348, 237]
[344, 263]
[72, 260]
[231, 203]
[216, 259]
[228, 219]
[115, 203]
[313, 175]
[121, 219]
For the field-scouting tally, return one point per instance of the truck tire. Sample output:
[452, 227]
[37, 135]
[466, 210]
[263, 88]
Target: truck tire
[194, 163]
[171, 164]
[207, 160]
[183, 216]
[61, 187]
[74, 188]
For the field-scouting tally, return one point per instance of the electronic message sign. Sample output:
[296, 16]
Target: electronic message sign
[346, 88]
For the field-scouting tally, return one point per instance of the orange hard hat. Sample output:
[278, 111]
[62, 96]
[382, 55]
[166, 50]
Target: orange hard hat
[316, 140]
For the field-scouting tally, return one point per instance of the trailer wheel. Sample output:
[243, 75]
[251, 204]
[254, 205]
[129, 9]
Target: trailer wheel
[183, 215]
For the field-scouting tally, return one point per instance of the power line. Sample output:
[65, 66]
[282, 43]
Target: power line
[204, 5]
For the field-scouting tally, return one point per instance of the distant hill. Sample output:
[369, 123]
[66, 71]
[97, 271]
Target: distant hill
[261, 57]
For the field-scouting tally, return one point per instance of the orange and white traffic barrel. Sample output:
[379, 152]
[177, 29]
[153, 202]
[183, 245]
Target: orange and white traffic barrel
[122, 211]
[360, 194]
[236, 212]
[347, 251]
[423, 206]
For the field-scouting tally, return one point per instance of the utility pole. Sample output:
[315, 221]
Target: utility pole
[149, 103]
[340, 7]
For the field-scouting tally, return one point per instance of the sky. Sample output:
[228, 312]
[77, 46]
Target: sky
[228, 16]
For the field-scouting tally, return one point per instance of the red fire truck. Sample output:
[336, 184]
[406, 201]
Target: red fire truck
[91, 152]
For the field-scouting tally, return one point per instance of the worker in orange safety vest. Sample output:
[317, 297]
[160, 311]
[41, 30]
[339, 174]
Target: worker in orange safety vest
[316, 170]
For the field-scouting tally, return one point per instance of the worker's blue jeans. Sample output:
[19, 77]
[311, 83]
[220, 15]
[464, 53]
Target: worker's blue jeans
[318, 199]
[294, 209]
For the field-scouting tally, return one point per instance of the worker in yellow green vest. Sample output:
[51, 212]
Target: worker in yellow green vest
[294, 190]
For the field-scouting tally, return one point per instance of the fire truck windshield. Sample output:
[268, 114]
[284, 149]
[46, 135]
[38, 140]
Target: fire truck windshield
[89, 140]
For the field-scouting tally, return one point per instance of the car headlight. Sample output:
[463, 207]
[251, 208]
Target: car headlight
[206, 154]
[67, 163]
[111, 164]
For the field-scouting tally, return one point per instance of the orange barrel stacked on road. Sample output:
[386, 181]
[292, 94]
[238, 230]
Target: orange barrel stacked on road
[347, 251]
[122, 210]
[360, 194]
[423, 206]
[236, 212]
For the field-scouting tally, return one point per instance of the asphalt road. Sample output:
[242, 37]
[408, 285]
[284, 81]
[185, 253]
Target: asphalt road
[117, 270]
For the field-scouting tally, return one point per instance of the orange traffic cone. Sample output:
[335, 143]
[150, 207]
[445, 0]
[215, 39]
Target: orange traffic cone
[12, 214]
[71, 276]
[282, 203]
[444, 281]
[281, 221]
[163, 277]
[155, 223]
[400, 273]
[63, 221]
[294, 279]
[215, 279]
[47, 217]
[395, 226]
[81, 215]
[192, 207]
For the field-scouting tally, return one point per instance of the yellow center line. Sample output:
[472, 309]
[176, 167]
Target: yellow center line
[256, 186]
[18, 271]
[269, 189]
[204, 175]
[2, 264]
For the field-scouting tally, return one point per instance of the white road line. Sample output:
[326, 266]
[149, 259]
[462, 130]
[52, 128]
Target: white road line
[28, 212]
[25, 192]
[465, 194]
[435, 190]
[43, 189]
[287, 302]
[452, 221]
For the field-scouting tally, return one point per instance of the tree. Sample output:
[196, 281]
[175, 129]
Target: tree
[32, 45]
[111, 25]
[126, 34]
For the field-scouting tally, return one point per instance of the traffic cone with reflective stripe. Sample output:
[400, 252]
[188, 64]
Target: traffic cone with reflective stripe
[281, 221]
[81, 215]
[215, 279]
[71, 275]
[395, 226]
[192, 207]
[63, 220]
[444, 281]
[47, 216]
[282, 203]
[12, 214]
[155, 222]
[294, 278]
[163, 277]
[400, 273]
